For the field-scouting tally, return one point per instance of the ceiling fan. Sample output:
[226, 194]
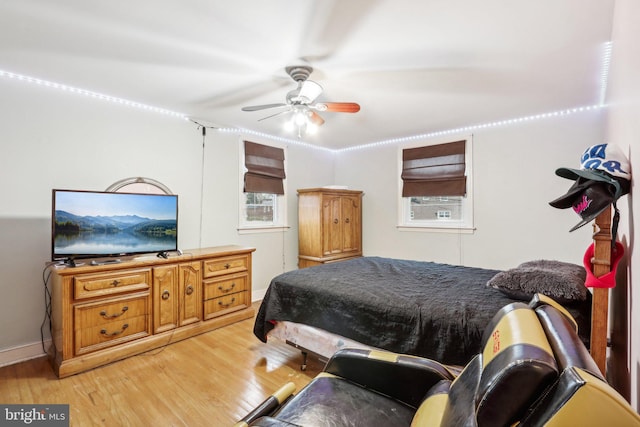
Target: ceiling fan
[300, 101]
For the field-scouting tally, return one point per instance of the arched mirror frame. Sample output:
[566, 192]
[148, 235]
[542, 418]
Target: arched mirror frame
[139, 185]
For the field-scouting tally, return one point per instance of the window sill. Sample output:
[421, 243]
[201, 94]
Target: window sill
[263, 229]
[437, 229]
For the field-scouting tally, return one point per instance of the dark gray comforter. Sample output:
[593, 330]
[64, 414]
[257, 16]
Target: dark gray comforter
[427, 309]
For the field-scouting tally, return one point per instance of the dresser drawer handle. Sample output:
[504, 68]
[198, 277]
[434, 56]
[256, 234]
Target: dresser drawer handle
[113, 334]
[335, 221]
[165, 295]
[113, 316]
[115, 283]
[229, 289]
[227, 266]
[347, 220]
[227, 305]
[188, 290]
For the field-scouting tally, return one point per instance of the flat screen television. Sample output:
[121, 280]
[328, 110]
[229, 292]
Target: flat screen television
[94, 224]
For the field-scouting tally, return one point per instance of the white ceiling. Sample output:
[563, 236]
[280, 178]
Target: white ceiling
[414, 66]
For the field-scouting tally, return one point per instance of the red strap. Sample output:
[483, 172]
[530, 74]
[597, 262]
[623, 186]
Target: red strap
[607, 280]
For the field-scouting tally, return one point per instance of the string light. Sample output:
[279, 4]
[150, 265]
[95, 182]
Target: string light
[606, 60]
[274, 138]
[464, 129]
[467, 129]
[91, 94]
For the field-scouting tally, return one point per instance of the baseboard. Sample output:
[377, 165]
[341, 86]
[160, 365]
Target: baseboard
[257, 295]
[22, 353]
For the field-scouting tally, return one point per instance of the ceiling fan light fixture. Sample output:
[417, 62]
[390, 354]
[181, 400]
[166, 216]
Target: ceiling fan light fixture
[300, 103]
[312, 128]
[301, 121]
[300, 118]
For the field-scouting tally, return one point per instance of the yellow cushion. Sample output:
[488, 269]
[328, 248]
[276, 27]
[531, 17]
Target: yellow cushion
[595, 403]
[430, 411]
[519, 326]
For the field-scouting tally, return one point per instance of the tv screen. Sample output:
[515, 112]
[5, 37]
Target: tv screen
[92, 224]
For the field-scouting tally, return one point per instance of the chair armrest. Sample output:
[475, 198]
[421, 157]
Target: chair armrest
[568, 348]
[402, 377]
[540, 300]
[582, 399]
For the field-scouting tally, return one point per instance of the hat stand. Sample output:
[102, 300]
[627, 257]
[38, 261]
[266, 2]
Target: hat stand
[601, 262]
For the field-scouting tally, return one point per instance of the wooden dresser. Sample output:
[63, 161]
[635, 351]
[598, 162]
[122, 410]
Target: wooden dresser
[329, 225]
[105, 313]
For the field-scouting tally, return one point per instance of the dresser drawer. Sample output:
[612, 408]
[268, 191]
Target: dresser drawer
[103, 324]
[225, 265]
[111, 334]
[222, 305]
[101, 284]
[225, 285]
[100, 313]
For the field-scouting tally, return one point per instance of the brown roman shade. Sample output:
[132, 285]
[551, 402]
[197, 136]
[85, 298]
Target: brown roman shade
[434, 170]
[265, 168]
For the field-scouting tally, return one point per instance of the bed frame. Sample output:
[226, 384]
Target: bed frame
[309, 340]
[289, 294]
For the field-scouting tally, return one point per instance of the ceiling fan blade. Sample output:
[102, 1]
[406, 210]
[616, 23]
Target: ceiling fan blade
[263, 107]
[316, 119]
[309, 91]
[338, 107]
[243, 94]
[329, 25]
[274, 115]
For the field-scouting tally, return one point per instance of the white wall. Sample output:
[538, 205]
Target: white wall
[514, 179]
[52, 139]
[623, 129]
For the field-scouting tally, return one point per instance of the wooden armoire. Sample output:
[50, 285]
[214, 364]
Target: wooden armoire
[329, 225]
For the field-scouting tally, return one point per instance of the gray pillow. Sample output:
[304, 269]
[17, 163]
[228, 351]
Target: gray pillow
[562, 281]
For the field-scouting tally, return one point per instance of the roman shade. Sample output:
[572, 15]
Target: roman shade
[265, 168]
[434, 170]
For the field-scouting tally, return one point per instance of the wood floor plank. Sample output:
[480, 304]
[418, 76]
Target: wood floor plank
[211, 379]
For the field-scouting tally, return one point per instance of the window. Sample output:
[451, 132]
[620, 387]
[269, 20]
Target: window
[260, 208]
[263, 179]
[435, 186]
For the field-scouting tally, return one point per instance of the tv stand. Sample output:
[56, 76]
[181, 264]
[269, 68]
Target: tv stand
[107, 312]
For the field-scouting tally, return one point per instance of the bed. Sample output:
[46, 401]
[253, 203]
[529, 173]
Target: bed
[421, 308]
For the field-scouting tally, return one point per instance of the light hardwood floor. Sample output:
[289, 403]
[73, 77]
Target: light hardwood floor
[212, 379]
